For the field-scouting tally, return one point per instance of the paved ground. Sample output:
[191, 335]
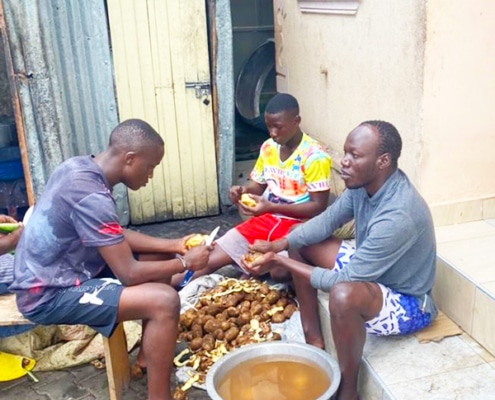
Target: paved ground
[86, 382]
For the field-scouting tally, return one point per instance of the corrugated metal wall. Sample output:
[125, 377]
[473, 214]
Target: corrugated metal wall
[63, 75]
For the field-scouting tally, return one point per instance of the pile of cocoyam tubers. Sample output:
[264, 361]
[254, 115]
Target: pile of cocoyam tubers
[232, 314]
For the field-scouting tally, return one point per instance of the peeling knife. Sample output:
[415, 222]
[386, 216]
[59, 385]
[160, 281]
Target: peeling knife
[189, 274]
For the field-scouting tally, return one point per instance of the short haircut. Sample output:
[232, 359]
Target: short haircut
[134, 134]
[390, 140]
[282, 102]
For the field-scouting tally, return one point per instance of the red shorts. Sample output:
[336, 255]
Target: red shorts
[266, 227]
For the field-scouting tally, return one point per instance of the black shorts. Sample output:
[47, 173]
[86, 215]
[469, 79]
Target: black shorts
[94, 303]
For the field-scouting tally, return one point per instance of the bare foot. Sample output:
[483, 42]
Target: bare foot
[137, 371]
[140, 361]
[316, 341]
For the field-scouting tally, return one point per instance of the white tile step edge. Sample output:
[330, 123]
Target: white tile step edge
[401, 368]
[469, 302]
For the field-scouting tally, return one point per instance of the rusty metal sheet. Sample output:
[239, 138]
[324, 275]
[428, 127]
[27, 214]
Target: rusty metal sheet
[62, 79]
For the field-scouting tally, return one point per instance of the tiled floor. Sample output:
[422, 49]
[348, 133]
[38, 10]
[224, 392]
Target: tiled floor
[454, 368]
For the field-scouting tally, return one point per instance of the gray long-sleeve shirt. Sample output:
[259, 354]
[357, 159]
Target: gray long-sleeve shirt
[395, 239]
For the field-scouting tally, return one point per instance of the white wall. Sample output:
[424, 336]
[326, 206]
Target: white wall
[426, 67]
[459, 102]
[348, 69]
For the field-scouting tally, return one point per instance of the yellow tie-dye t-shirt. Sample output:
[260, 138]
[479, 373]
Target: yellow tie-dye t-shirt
[306, 170]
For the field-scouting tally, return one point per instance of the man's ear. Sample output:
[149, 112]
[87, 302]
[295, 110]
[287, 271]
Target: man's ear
[384, 161]
[297, 120]
[130, 156]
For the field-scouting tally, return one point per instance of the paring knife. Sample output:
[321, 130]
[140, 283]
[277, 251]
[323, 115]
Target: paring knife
[189, 274]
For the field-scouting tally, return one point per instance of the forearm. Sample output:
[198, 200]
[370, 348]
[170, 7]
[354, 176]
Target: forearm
[141, 243]
[131, 271]
[253, 188]
[8, 242]
[311, 232]
[295, 267]
[150, 271]
[305, 210]
[5, 246]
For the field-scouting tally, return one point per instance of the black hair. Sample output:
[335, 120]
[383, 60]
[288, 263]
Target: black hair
[133, 134]
[282, 102]
[390, 140]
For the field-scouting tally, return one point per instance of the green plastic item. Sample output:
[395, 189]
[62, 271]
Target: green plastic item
[7, 227]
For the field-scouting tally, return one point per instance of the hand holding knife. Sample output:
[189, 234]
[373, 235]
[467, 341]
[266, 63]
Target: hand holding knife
[189, 273]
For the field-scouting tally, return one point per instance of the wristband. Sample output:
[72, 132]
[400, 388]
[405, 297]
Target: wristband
[182, 260]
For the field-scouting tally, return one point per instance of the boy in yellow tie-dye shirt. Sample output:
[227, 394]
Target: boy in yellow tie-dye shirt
[290, 182]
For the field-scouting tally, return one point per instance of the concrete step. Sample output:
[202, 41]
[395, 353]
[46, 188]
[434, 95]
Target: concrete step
[465, 288]
[457, 367]
[401, 368]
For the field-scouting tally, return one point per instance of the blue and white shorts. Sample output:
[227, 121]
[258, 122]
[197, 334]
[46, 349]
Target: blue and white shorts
[400, 314]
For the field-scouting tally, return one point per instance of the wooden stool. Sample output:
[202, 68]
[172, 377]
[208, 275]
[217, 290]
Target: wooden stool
[116, 357]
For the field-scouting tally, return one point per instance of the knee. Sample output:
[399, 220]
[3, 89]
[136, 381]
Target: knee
[341, 298]
[166, 302]
[296, 254]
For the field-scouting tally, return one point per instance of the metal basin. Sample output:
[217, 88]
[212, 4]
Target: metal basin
[250, 83]
[274, 351]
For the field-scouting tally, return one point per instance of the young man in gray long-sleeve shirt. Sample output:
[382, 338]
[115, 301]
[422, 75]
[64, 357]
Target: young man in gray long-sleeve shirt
[383, 284]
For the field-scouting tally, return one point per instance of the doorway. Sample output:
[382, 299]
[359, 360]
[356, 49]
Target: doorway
[254, 71]
[162, 75]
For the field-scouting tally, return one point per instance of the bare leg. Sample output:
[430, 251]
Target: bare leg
[323, 255]
[279, 274]
[351, 305]
[308, 304]
[158, 305]
[140, 360]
